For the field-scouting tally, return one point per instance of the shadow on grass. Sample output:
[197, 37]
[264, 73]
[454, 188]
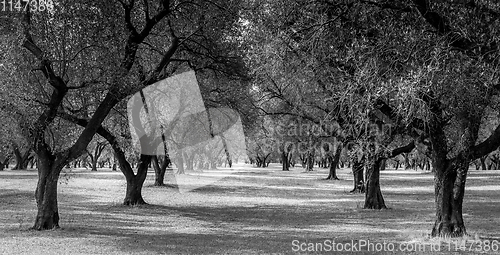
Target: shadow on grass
[209, 230]
[19, 176]
[16, 197]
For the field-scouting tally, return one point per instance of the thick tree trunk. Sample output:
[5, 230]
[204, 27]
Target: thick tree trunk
[133, 195]
[159, 172]
[357, 171]
[46, 194]
[334, 162]
[373, 196]
[449, 185]
[285, 161]
[93, 162]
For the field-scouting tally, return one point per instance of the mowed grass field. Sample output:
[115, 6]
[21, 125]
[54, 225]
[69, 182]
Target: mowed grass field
[241, 211]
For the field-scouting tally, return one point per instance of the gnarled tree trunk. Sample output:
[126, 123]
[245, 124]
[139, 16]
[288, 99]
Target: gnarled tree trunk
[46, 192]
[357, 171]
[449, 185]
[334, 162]
[133, 195]
[373, 195]
[285, 159]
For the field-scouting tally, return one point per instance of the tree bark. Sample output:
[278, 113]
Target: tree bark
[160, 169]
[334, 162]
[46, 192]
[93, 163]
[449, 185]
[133, 195]
[357, 171]
[284, 159]
[373, 196]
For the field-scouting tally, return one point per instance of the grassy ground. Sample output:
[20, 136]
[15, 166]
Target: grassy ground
[246, 211]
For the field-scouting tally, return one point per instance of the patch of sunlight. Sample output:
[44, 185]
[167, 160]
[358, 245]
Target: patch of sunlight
[483, 187]
[329, 200]
[330, 228]
[297, 188]
[406, 172]
[482, 177]
[414, 189]
[270, 177]
[491, 172]
[410, 178]
[410, 222]
[267, 200]
[354, 227]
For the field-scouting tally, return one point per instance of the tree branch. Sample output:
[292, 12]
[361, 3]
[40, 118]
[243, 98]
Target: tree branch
[487, 146]
[405, 149]
[127, 171]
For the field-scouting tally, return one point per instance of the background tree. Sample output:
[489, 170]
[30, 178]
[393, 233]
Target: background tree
[95, 150]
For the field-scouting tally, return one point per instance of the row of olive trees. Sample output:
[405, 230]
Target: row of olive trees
[81, 62]
[392, 76]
